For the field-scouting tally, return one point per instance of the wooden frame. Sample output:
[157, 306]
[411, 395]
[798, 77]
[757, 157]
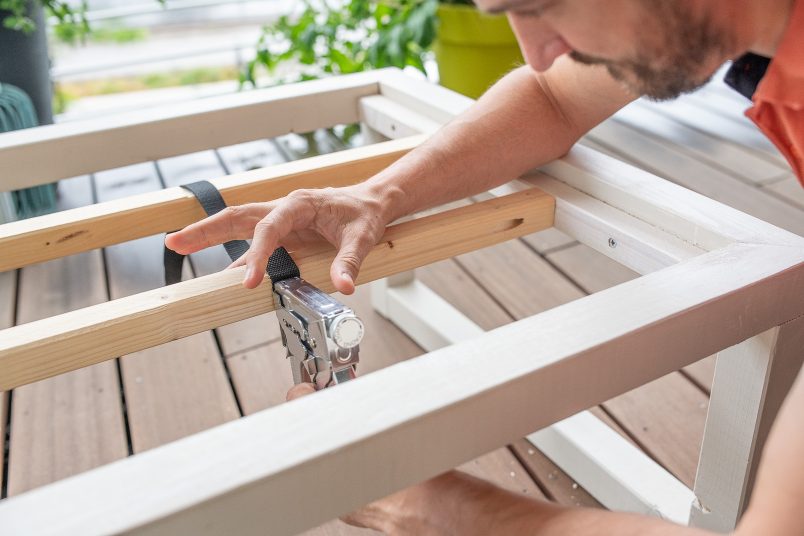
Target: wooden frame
[715, 279]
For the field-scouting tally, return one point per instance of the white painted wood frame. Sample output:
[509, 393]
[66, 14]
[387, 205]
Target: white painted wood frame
[286, 469]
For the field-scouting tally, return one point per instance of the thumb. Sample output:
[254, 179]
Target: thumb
[300, 390]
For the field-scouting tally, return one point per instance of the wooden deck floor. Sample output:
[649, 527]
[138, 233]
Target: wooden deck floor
[77, 421]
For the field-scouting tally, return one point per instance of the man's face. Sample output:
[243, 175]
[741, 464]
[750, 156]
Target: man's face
[657, 48]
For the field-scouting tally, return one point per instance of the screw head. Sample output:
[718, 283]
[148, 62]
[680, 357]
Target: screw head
[612, 243]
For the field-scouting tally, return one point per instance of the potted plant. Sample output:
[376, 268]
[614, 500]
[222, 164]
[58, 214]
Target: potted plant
[472, 49]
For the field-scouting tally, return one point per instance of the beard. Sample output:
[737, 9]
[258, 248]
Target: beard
[673, 60]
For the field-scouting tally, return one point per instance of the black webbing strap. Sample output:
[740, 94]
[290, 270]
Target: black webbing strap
[280, 265]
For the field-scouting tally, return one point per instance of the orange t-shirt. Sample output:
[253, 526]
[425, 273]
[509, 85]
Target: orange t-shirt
[779, 99]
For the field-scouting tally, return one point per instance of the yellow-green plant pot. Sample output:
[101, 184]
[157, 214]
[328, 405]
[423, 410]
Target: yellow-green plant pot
[473, 49]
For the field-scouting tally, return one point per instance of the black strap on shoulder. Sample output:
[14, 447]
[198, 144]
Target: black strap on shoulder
[280, 264]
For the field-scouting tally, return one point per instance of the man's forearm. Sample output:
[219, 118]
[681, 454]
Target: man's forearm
[523, 121]
[491, 143]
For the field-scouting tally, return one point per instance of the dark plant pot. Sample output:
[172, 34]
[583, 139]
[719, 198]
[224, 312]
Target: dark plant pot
[24, 63]
[473, 49]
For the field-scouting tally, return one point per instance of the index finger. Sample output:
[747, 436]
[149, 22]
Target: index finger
[231, 223]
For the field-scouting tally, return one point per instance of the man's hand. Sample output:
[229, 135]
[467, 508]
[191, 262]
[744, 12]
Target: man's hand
[350, 218]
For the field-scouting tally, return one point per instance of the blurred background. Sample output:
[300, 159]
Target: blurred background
[66, 60]
[114, 55]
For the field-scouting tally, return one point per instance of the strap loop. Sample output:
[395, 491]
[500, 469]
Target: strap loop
[280, 264]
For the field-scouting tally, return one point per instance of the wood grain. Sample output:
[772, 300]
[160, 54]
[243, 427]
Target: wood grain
[136, 216]
[525, 285]
[251, 332]
[41, 349]
[71, 423]
[44, 154]
[172, 390]
[8, 286]
[241, 477]
[455, 285]
[262, 378]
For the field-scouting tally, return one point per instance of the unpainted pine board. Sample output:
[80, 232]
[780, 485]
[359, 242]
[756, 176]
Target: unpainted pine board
[146, 319]
[238, 336]
[667, 417]
[8, 285]
[664, 159]
[790, 189]
[452, 283]
[73, 422]
[525, 284]
[548, 240]
[179, 388]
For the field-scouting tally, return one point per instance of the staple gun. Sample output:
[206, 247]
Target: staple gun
[321, 335]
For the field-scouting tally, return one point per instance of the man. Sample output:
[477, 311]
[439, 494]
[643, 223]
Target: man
[586, 59]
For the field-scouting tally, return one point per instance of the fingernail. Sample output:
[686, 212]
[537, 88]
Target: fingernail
[248, 274]
[346, 276]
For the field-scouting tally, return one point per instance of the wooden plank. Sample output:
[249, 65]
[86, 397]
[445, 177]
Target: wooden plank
[72, 231]
[74, 422]
[251, 332]
[715, 151]
[665, 160]
[702, 373]
[706, 120]
[561, 488]
[8, 286]
[173, 390]
[618, 473]
[240, 477]
[628, 240]
[525, 285]
[673, 209]
[393, 120]
[249, 156]
[262, 378]
[595, 272]
[44, 154]
[789, 189]
[455, 285]
[73, 340]
[667, 418]
[591, 270]
[753, 378]
[548, 240]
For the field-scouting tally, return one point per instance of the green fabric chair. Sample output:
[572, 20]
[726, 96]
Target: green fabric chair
[17, 112]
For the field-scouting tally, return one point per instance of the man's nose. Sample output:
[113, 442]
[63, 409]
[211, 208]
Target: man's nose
[540, 44]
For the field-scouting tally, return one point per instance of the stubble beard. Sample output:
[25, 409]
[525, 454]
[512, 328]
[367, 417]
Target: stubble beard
[674, 64]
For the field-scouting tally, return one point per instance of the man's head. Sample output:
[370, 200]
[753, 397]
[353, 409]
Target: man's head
[657, 48]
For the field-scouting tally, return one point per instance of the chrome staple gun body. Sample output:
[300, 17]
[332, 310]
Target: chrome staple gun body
[321, 335]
